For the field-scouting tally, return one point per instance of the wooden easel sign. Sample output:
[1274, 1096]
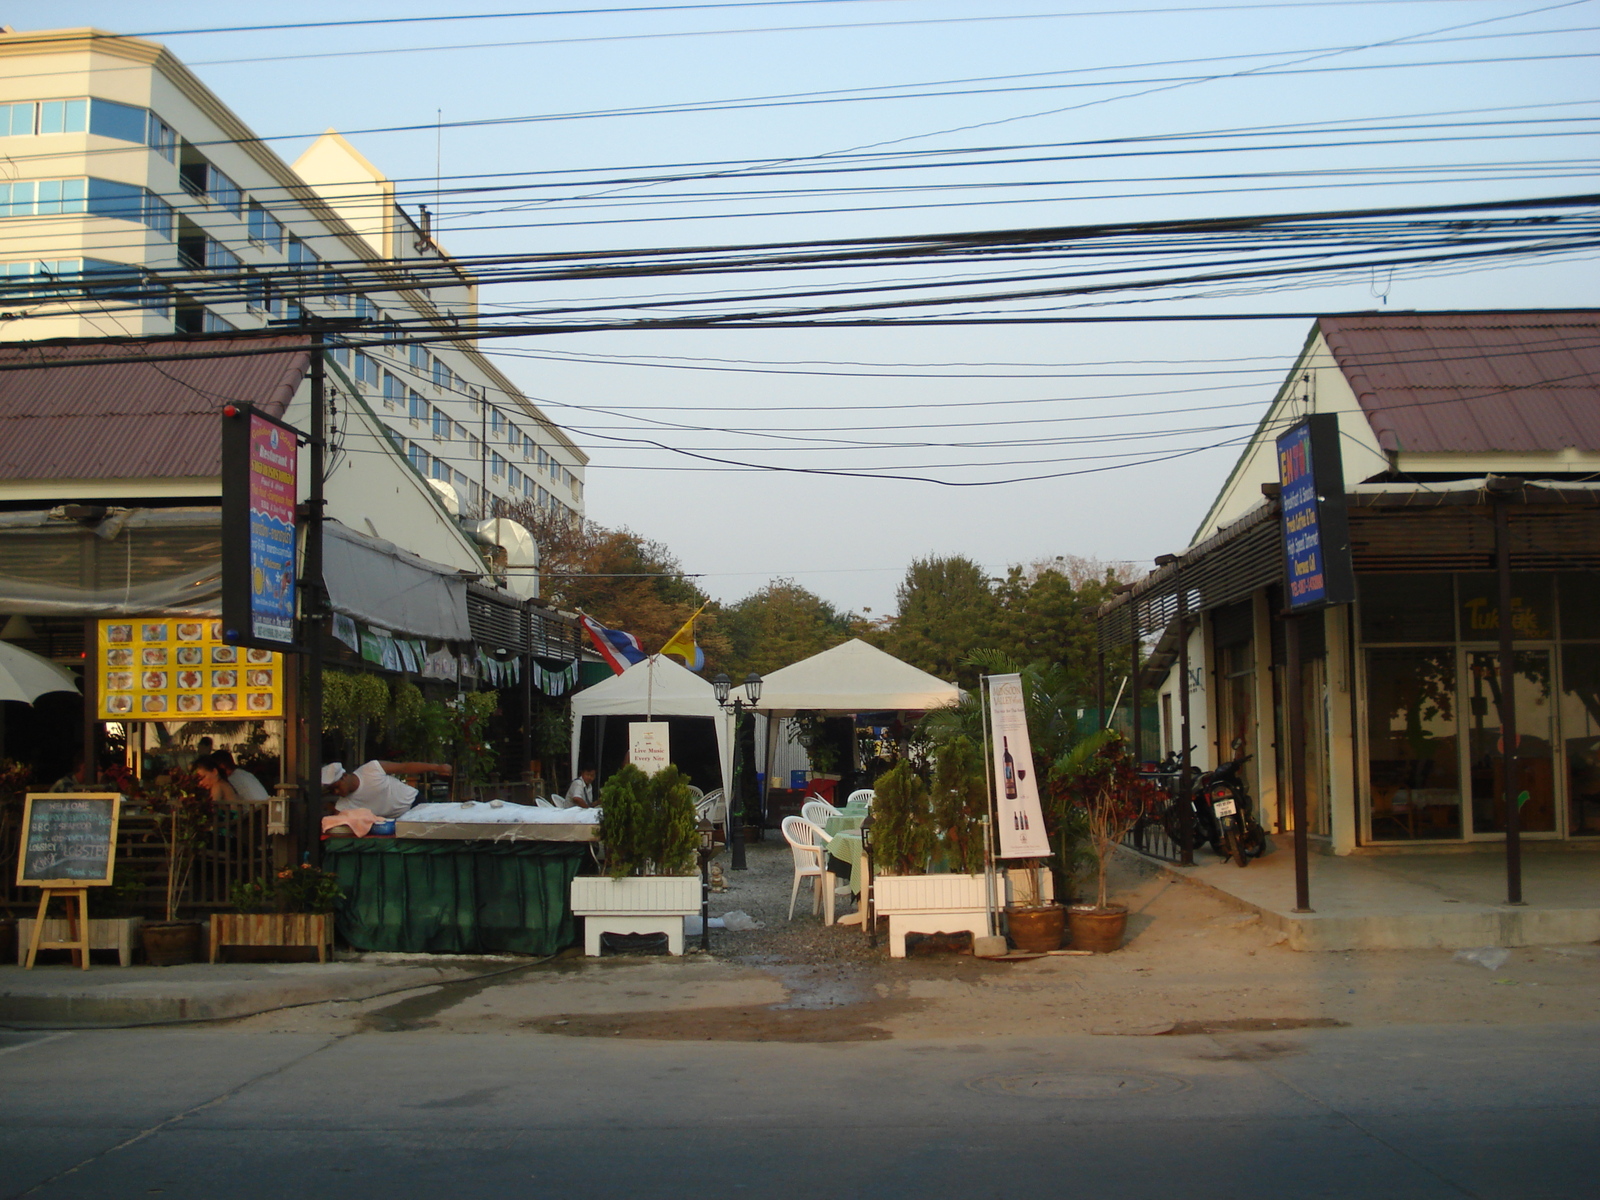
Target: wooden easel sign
[69, 844]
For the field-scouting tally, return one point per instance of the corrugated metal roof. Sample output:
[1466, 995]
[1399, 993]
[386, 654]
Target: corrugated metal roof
[1438, 383]
[118, 419]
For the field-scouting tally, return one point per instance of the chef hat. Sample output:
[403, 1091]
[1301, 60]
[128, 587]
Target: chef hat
[332, 773]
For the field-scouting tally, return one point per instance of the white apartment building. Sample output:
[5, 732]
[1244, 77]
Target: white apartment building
[136, 204]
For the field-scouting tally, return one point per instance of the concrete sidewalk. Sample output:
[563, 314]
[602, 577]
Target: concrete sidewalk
[1412, 901]
[61, 996]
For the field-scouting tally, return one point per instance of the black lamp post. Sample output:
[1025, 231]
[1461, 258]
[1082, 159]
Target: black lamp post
[722, 688]
[868, 917]
[708, 845]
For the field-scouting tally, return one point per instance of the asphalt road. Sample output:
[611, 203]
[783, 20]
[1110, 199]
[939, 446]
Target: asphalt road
[1414, 1111]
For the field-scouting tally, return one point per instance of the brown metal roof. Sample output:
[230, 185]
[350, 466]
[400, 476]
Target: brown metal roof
[1439, 383]
[86, 412]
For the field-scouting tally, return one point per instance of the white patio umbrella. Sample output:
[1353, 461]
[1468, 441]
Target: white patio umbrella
[26, 676]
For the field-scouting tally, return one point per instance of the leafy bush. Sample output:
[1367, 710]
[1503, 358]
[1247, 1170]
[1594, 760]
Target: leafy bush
[960, 800]
[647, 823]
[302, 889]
[902, 822]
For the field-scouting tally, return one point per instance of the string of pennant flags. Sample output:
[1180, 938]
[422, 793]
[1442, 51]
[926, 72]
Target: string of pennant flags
[393, 653]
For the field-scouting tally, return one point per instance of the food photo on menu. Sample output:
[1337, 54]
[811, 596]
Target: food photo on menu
[154, 656]
[119, 633]
[119, 657]
[153, 681]
[190, 656]
[225, 679]
[260, 701]
[258, 656]
[258, 679]
[224, 702]
[153, 704]
[119, 704]
[224, 654]
[190, 631]
[190, 702]
[153, 633]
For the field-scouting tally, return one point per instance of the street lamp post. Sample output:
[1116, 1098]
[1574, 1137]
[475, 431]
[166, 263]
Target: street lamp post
[722, 688]
[708, 846]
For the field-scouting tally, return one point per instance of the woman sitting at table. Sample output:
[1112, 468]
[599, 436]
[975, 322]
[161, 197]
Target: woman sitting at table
[208, 768]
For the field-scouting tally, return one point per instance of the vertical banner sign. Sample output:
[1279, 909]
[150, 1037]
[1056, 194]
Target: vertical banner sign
[1016, 791]
[260, 457]
[647, 745]
[1316, 531]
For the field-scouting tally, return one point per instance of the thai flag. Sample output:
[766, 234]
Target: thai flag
[619, 649]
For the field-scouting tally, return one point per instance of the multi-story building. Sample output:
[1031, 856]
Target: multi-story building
[137, 204]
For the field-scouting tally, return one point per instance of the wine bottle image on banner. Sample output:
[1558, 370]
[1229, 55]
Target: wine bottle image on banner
[1008, 769]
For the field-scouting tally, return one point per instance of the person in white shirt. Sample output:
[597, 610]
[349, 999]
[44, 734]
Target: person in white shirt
[245, 785]
[581, 793]
[373, 786]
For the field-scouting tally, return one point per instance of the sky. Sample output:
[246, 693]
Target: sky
[836, 456]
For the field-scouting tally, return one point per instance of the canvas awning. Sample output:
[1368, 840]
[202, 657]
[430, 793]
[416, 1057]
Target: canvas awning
[377, 582]
[854, 678]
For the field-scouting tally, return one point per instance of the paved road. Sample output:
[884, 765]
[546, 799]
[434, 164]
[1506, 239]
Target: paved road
[1387, 1112]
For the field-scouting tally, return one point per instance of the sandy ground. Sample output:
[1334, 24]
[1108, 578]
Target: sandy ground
[1191, 964]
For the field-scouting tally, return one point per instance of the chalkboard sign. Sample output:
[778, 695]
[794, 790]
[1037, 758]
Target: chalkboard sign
[69, 839]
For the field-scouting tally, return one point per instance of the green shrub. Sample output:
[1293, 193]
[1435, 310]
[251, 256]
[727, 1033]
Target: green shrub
[647, 823]
[902, 822]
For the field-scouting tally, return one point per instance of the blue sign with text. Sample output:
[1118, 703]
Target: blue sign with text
[1316, 541]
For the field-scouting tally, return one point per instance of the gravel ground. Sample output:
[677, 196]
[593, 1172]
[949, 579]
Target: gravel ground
[763, 892]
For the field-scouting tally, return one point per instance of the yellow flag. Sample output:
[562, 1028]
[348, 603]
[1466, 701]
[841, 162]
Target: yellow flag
[682, 644]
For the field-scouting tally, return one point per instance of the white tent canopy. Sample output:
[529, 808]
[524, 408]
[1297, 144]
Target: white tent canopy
[853, 678]
[653, 687]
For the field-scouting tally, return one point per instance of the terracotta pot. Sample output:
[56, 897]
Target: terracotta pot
[170, 943]
[1037, 928]
[1097, 929]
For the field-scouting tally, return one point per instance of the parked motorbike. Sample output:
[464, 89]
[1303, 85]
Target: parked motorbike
[1220, 812]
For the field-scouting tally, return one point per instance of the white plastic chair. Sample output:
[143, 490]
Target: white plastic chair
[696, 793]
[541, 802]
[809, 845]
[862, 796]
[818, 812]
[560, 802]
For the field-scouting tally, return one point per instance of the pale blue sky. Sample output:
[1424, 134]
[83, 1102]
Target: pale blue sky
[849, 540]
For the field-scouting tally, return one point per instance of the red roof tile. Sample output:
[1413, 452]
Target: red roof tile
[1440, 383]
[122, 420]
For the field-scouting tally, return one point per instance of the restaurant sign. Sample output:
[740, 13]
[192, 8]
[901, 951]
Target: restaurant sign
[1316, 531]
[172, 668]
[260, 459]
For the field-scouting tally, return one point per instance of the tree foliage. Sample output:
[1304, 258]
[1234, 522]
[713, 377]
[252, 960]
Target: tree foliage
[780, 624]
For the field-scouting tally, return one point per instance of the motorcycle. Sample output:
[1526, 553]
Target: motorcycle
[1220, 813]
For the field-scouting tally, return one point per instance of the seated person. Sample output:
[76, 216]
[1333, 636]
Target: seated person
[373, 786]
[245, 785]
[581, 793]
[208, 768]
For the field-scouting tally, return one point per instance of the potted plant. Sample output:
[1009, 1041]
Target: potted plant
[1100, 777]
[905, 841]
[293, 908]
[647, 825]
[184, 813]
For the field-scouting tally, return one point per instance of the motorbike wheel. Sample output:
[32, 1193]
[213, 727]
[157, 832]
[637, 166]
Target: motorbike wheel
[1173, 828]
[1233, 840]
[1255, 840]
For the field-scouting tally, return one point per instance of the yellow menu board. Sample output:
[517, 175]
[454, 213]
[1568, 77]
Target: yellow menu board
[173, 669]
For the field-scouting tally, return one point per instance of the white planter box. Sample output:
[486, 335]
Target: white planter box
[646, 904]
[930, 904]
[105, 933]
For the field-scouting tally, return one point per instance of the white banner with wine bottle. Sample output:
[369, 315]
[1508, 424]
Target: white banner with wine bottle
[1016, 790]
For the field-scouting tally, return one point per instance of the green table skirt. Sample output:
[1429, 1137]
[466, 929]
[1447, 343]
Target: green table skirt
[450, 897]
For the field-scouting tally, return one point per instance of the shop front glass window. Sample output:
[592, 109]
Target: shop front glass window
[1414, 774]
[1580, 729]
[1532, 610]
[1535, 774]
[1406, 608]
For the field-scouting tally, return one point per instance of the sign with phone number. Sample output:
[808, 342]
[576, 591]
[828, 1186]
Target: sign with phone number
[166, 669]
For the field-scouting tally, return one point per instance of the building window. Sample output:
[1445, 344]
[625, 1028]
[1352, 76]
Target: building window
[497, 422]
[497, 466]
[420, 458]
[162, 138]
[514, 480]
[366, 369]
[394, 392]
[265, 229]
[216, 324]
[45, 197]
[63, 116]
[528, 486]
[366, 309]
[441, 425]
[396, 440]
[441, 374]
[418, 408]
[419, 361]
[441, 470]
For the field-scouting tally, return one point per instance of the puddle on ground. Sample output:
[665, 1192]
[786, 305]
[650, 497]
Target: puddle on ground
[418, 1012]
[733, 1023]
